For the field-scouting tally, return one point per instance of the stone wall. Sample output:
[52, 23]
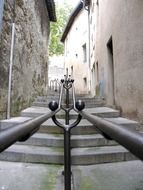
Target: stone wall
[29, 76]
[1, 12]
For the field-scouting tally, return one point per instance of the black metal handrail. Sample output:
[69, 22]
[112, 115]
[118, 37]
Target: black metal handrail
[129, 138]
[22, 132]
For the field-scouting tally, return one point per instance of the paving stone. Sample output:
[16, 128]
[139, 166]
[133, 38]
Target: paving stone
[113, 176]
[79, 156]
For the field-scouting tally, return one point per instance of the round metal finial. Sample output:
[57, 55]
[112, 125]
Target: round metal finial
[53, 105]
[80, 105]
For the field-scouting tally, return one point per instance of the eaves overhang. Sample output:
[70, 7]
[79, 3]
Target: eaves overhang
[51, 10]
[82, 4]
[70, 22]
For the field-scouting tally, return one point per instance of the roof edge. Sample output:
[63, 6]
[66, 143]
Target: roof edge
[75, 12]
[50, 4]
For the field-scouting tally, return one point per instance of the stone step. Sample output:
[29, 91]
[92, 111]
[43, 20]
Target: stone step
[84, 127]
[47, 98]
[51, 140]
[34, 111]
[90, 102]
[99, 111]
[125, 122]
[56, 95]
[6, 123]
[79, 156]
[87, 104]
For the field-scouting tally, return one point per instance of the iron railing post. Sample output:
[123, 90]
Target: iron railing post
[67, 84]
[67, 100]
[67, 159]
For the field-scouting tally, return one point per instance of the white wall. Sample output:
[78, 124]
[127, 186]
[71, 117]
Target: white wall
[123, 21]
[76, 38]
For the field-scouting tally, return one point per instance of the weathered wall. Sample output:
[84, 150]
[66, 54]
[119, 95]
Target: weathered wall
[1, 12]
[123, 21]
[74, 58]
[29, 76]
[94, 70]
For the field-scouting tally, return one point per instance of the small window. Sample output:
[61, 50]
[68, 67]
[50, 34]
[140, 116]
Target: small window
[72, 71]
[84, 53]
[97, 2]
[85, 82]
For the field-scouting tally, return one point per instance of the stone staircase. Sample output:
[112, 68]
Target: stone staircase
[88, 146]
[91, 102]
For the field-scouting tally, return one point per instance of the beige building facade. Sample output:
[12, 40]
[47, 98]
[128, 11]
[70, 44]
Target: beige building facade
[116, 44]
[114, 33]
[75, 38]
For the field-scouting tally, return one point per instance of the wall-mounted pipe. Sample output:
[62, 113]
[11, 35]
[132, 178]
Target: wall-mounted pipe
[11, 62]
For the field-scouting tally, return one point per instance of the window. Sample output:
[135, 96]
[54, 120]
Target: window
[84, 53]
[111, 88]
[71, 71]
[97, 2]
[85, 82]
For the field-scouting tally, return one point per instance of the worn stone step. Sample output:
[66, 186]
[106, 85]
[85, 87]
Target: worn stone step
[99, 111]
[125, 122]
[33, 154]
[84, 127]
[34, 111]
[87, 104]
[90, 102]
[51, 140]
[79, 156]
[6, 123]
[56, 95]
[51, 97]
[98, 155]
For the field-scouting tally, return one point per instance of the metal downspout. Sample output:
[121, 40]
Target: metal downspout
[11, 63]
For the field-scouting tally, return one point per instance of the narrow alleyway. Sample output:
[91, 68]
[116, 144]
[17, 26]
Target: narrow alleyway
[86, 130]
[95, 160]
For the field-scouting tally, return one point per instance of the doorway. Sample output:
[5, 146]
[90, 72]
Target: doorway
[110, 84]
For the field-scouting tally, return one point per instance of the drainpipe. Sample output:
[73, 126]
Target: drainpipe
[89, 33]
[87, 8]
[11, 62]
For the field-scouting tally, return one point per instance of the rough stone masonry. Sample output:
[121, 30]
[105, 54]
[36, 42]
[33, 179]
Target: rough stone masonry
[29, 76]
